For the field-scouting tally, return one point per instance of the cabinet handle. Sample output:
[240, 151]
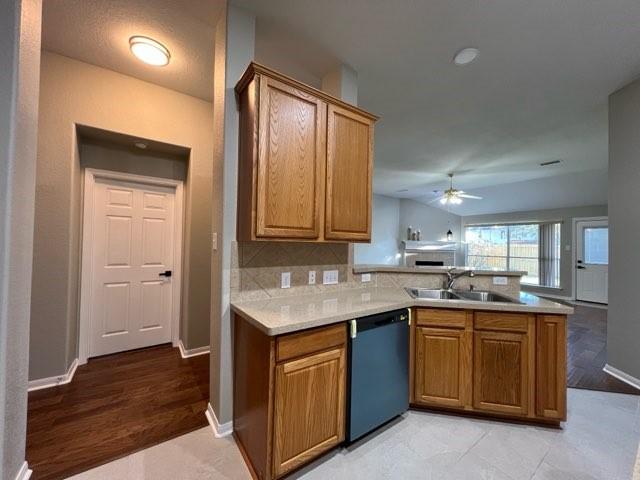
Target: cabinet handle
[353, 328]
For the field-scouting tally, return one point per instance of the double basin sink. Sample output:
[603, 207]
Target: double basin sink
[469, 295]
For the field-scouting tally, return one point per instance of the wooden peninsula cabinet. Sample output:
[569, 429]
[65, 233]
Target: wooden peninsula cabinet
[289, 396]
[305, 162]
[498, 363]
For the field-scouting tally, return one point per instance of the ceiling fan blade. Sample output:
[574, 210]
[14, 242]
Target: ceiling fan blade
[466, 195]
[437, 199]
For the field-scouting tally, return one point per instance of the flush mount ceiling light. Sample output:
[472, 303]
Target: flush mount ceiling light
[140, 145]
[149, 51]
[466, 56]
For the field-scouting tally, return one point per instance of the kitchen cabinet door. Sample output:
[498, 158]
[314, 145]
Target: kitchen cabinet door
[551, 367]
[309, 408]
[349, 175]
[291, 162]
[443, 367]
[501, 372]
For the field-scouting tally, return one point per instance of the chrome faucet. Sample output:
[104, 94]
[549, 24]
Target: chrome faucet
[452, 276]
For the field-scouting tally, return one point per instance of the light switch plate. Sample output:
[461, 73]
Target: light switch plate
[500, 280]
[366, 277]
[312, 277]
[330, 277]
[285, 280]
[214, 241]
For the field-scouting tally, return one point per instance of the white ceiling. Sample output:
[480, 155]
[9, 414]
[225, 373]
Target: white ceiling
[538, 91]
[559, 191]
[98, 32]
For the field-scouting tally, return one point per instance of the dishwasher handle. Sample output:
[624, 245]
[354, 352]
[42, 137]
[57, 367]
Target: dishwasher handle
[377, 321]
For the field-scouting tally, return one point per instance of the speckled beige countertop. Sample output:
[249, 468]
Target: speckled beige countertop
[276, 316]
[429, 269]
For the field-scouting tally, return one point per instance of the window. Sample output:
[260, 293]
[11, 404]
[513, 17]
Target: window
[596, 245]
[533, 248]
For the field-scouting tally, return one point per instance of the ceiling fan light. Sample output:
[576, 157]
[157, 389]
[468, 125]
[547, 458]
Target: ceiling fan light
[443, 200]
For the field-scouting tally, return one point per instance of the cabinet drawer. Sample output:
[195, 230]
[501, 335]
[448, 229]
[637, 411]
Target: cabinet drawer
[434, 317]
[311, 341]
[503, 322]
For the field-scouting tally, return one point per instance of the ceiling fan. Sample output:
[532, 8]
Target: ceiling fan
[452, 196]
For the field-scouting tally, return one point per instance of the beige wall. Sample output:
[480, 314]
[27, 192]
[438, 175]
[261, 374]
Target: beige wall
[78, 93]
[105, 155]
[219, 94]
[19, 64]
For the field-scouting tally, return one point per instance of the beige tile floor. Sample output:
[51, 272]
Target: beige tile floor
[599, 441]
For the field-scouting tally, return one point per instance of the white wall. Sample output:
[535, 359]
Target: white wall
[19, 76]
[432, 222]
[623, 323]
[391, 217]
[384, 248]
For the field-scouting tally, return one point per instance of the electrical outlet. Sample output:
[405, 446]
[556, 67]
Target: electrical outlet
[366, 277]
[312, 277]
[330, 277]
[500, 280]
[285, 280]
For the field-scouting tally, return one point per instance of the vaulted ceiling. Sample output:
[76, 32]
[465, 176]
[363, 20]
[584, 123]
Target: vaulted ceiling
[537, 92]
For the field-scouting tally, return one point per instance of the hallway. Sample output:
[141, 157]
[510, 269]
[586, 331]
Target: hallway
[115, 405]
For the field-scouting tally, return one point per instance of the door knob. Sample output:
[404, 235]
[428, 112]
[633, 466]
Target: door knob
[166, 273]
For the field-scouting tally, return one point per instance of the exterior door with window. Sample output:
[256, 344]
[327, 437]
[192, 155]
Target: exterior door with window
[132, 253]
[592, 261]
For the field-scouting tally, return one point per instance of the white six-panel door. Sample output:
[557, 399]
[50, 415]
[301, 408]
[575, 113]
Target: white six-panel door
[133, 244]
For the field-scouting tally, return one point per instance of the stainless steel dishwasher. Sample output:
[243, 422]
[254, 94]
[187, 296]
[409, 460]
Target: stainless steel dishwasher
[378, 376]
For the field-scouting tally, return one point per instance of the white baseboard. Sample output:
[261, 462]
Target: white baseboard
[557, 297]
[219, 430]
[24, 473]
[41, 383]
[194, 352]
[622, 376]
[600, 306]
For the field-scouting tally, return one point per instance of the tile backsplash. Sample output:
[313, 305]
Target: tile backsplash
[256, 269]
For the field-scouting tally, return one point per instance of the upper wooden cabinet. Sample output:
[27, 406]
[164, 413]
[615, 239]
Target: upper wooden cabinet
[349, 175]
[305, 162]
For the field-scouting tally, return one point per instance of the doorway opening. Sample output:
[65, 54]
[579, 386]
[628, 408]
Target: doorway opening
[134, 388]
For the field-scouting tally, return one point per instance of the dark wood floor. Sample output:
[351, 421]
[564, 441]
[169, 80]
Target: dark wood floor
[114, 406]
[588, 352]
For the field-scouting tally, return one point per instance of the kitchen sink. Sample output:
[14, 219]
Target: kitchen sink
[470, 295]
[480, 296]
[430, 293]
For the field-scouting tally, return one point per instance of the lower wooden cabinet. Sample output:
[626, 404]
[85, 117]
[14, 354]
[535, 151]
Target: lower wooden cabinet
[501, 363]
[443, 366]
[551, 367]
[501, 372]
[309, 408]
[289, 396]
